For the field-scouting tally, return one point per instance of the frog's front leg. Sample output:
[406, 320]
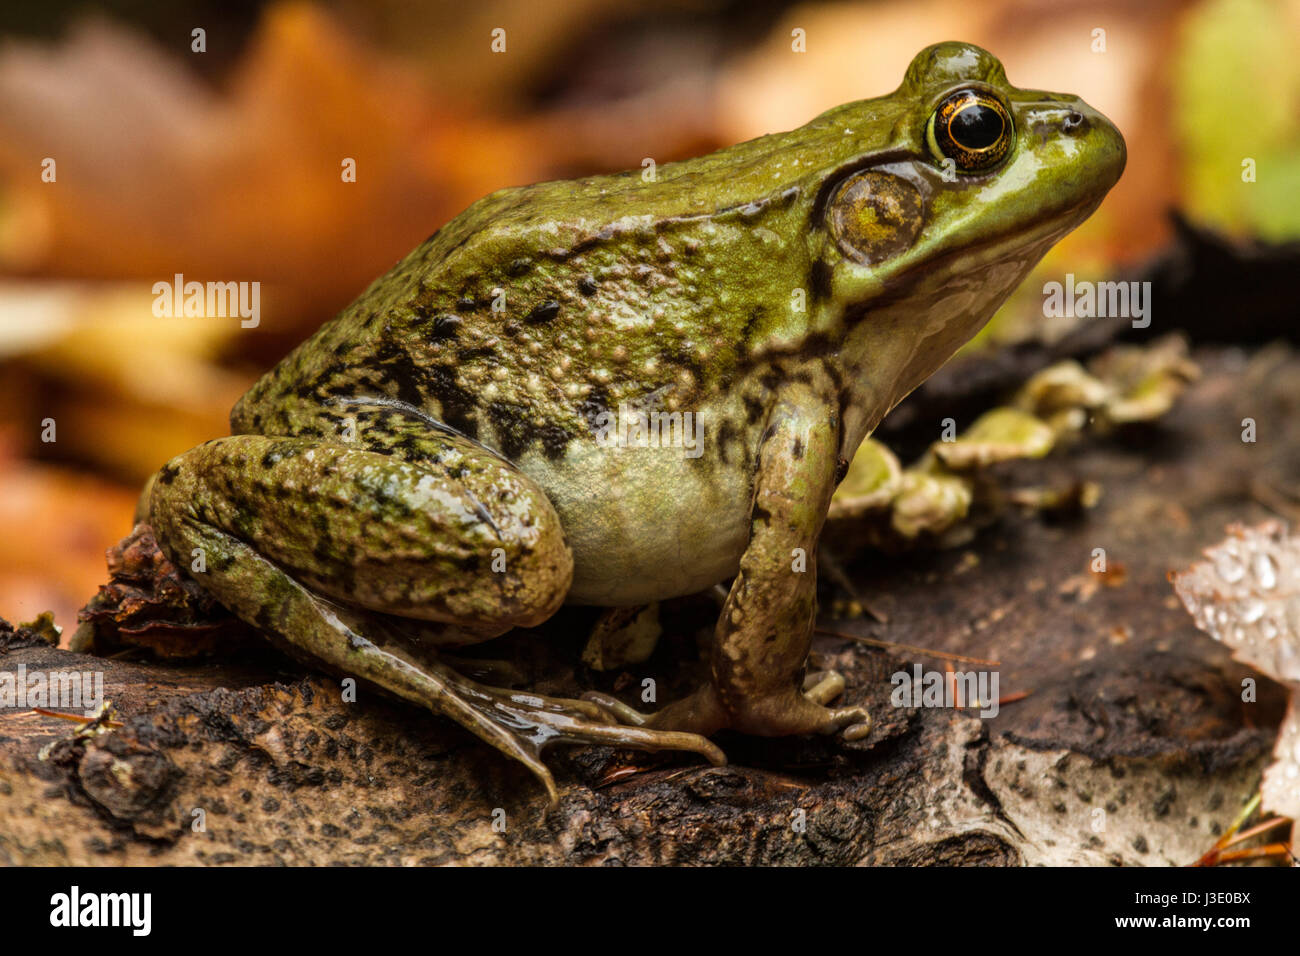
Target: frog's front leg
[763, 635]
[326, 546]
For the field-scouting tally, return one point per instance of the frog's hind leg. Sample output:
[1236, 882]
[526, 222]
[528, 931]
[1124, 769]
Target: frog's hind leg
[304, 538]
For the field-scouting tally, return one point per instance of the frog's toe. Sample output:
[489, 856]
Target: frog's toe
[624, 712]
[821, 688]
[856, 722]
[535, 722]
[577, 731]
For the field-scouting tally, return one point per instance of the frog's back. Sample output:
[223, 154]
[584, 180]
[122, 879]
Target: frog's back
[542, 306]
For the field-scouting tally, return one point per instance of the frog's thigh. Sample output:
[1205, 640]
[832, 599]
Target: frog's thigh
[483, 550]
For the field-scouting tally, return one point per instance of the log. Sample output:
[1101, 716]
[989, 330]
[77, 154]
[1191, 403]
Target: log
[1132, 746]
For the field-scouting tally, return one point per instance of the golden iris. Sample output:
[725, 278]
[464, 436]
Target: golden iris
[972, 128]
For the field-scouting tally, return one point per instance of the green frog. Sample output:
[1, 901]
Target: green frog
[622, 389]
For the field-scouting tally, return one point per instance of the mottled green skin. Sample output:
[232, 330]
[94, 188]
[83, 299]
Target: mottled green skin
[451, 409]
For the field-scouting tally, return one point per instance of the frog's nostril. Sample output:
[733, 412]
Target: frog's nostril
[1073, 121]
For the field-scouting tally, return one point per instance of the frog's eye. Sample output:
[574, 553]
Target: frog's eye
[972, 128]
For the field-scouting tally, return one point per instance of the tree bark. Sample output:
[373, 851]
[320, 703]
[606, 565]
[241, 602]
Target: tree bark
[1133, 745]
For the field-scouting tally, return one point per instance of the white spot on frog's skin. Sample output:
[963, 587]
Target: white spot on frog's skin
[430, 494]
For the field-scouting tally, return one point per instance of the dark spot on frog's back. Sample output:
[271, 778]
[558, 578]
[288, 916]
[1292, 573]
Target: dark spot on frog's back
[444, 327]
[819, 281]
[587, 286]
[545, 312]
[457, 404]
[728, 433]
[518, 267]
[516, 431]
[747, 333]
[554, 441]
[683, 358]
[400, 372]
[272, 458]
[596, 402]
[508, 421]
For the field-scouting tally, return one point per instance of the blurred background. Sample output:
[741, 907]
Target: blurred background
[224, 164]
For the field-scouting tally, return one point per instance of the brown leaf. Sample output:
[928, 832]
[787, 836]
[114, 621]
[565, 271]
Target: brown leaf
[149, 603]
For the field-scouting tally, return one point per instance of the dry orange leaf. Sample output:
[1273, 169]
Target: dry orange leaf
[158, 174]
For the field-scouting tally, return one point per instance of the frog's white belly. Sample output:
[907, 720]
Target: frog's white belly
[645, 524]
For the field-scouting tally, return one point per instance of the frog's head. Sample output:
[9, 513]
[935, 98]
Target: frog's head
[922, 235]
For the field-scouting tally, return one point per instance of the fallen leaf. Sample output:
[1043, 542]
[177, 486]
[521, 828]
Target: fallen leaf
[1247, 595]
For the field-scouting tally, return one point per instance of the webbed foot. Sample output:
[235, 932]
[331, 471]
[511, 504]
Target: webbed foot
[522, 724]
[703, 712]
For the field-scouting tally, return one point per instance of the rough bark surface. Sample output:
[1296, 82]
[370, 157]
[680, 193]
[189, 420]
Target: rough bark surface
[1133, 745]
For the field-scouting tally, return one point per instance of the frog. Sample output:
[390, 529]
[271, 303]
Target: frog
[464, 449]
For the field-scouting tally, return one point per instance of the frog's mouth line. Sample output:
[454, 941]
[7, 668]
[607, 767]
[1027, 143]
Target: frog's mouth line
[995, 249]
[1048, 232]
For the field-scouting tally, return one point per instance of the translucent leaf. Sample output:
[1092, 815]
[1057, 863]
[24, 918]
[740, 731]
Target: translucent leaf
[1247, 595]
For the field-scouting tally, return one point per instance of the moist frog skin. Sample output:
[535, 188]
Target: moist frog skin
[431, 469]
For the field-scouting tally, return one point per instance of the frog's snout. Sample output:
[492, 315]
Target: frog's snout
[1091, 139]
[1103, 141]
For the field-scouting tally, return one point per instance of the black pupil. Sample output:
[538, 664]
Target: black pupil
[976, 127]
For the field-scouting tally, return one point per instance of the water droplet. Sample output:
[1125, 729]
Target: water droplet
[1265, 570]
[1228, 566]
